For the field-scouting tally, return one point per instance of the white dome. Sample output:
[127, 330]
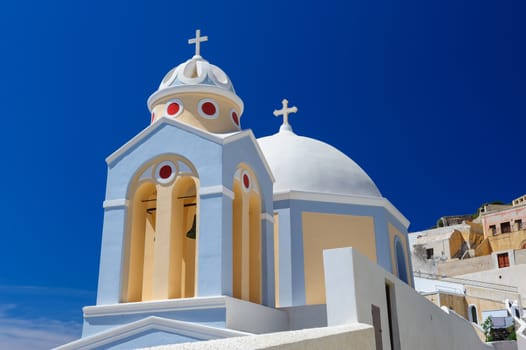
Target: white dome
[196, 75]
[304, 164]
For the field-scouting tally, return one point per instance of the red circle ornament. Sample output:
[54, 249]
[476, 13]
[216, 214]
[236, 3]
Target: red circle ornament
[246, 181]
[165, 172]
[235, 118]
[173, 108]
[208, 108]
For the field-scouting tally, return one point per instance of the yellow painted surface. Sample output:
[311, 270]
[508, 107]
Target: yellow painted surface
[190, 115]
[246, 241]
[456, 303]
[326, 231]
[276, 258]
[394, 232]
[507, 241]
[136, 250]
[161, 260]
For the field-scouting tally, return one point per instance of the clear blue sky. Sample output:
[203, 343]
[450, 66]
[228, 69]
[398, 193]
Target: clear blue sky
[428, 97]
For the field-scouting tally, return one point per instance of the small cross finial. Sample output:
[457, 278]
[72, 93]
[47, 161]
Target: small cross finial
[197, 41]
[285, 111]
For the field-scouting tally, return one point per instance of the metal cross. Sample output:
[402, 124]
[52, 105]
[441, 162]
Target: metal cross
[285, 111]
[197, 41]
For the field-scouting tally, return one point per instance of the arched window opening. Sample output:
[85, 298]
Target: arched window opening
[472, 313]
[401, 266]
[140, 249]
[184, 238]
[162, 238]
[246, 237]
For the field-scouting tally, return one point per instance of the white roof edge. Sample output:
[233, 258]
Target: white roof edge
[152, 127]
[157, 306]
[189, 329]
[242, 134]
[195, 88]
[343, 199]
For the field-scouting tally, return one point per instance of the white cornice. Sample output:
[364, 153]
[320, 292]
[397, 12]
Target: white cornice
[216, 138]
[204, 191]
[115, 203]
[343, 199]
[155, 306]
[188, 329]
[250, 134]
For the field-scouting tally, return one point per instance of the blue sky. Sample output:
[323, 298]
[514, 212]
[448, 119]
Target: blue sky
[426, 96]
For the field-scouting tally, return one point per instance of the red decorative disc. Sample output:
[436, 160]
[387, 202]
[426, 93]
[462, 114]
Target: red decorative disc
[208, 108]
[235, 118]
[246, 180]
[153, 116]
[173, 108]
[165, 172]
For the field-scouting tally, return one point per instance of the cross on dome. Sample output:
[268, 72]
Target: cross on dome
[197, 41]
[285, 111]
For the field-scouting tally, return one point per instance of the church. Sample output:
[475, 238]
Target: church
[211, 233]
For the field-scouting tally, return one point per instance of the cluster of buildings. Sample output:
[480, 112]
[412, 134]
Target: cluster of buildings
[473, 265]
[213, 238]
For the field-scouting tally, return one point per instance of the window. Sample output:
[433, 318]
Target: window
[472, 313]
[518, 224]
[503, 260]
[493, 229]
[505, 227]
[401, 266]
[429, 253]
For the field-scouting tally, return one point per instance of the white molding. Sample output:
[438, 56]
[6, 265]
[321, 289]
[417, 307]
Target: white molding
[343, 199]
[163, 120]
[155, 306]
[250, 134]
[188, 329]
[204, 191]
[115, 203]
[268, 217]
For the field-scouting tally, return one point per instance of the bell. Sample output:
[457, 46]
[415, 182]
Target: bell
[191, 232]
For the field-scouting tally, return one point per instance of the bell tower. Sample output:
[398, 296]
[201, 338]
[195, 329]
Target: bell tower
[188, 209]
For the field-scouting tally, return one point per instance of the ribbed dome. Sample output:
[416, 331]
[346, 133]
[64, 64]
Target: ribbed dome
[304, 164]
[196, 75]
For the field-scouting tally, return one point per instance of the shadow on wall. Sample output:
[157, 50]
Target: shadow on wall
[405, 319]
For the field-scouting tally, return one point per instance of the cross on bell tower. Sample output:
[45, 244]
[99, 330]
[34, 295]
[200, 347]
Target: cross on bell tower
[285, 111]
[197, 41]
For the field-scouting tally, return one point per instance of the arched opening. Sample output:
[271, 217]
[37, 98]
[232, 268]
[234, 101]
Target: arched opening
[184, 238]
[523, 244]
[140, 249]
[163, 231]
[246, 237]
[401, 266]
[472, 313]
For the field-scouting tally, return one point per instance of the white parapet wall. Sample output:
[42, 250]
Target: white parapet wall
[355, 286]
[351, 336]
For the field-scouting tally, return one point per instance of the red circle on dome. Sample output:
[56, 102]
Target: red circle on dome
[165, 172]
[235, 118]
[153, 116]
[208, 108]
[173, 108]
[246, 180]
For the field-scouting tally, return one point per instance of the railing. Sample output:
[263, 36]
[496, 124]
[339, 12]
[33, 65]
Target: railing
[464, 281]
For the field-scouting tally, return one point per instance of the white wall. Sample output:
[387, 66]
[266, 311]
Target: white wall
[421, 324]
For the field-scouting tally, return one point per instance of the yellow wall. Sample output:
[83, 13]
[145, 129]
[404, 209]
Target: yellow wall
[326, 231]
[246, 239]
[393, 232]
[507, 241]
[190, 114]
[161, 260]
